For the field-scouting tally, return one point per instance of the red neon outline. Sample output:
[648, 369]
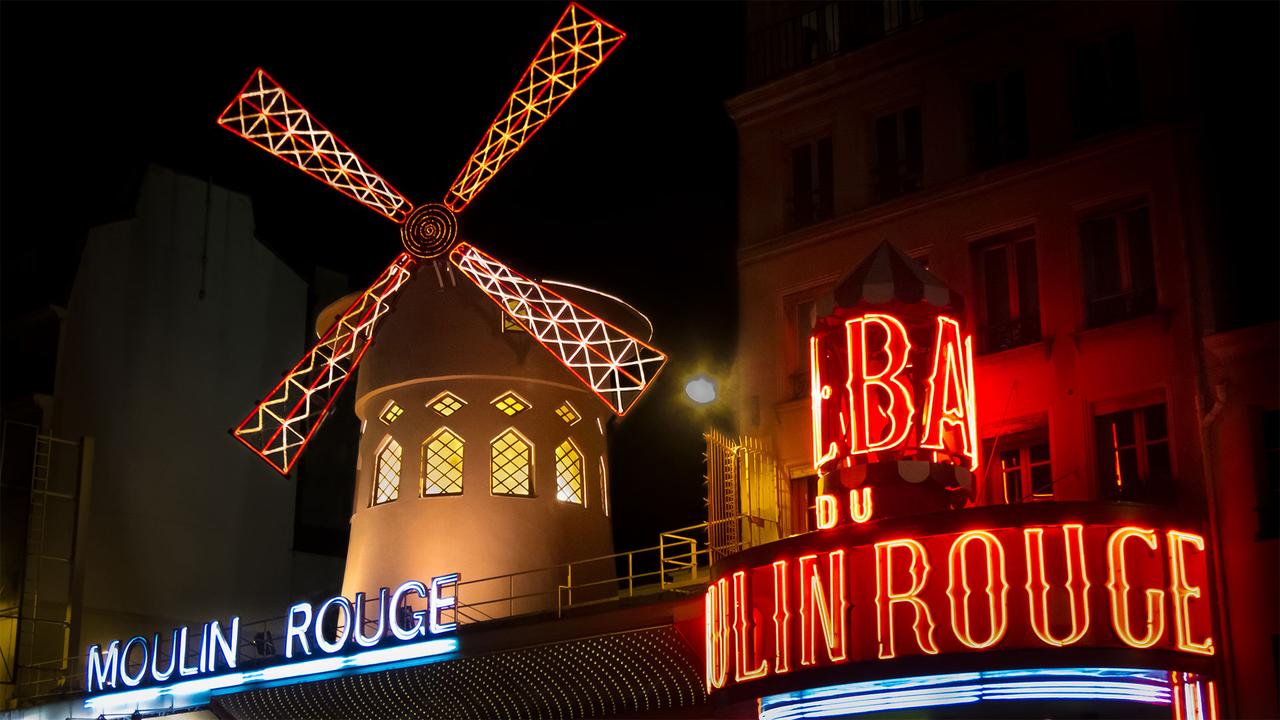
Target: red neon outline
[886, 597]
[490, 154]
[834, 622]
[958, 568]
[1182, 592]
[741, 631]
[717, 634]
[399, 270]
[1077, 594]
[900, 426]
[398, 211]
[819, 392]
[959, 364]
[461, 257]
[1118, 585]
[781, 620]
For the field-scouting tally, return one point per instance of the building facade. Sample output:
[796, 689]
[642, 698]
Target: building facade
[1045, 161]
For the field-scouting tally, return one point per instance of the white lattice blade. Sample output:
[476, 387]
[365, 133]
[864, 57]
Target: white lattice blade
[616, 366]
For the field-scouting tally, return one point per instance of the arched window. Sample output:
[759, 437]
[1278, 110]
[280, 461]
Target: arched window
[442, 463]
[386, 480]
[511, 464]
[569, 473]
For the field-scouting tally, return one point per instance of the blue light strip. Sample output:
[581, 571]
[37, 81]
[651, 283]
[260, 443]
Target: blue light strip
[191, 693]
[1113, 684]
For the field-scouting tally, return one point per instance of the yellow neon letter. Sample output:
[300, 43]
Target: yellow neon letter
[1118, 585]
[1183, 591]
[1038, 585]
[886, 596]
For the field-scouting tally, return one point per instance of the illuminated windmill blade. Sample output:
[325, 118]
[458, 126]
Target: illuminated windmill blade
[576, 46]
[616, 366]
[269, 117]
[283, 423]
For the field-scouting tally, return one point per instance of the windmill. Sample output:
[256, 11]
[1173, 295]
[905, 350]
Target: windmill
[616, 366]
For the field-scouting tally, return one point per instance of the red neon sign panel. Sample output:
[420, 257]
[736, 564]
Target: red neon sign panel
[879, 390]
[1109, 585]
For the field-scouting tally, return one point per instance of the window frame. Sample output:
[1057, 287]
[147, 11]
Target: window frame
[819, 195]
[1010, 240]
[1021, 439]
[519, 398]
[430, 404]
[797, 359]
[383, 446]
[1117, 211]
[902, 164]
[531, 464]
[387, 408]
[1146, 492]
[422, 468]
[582, 473]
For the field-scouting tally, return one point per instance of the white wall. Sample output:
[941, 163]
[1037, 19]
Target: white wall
[185, 523]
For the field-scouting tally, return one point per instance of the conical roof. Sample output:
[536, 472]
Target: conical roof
[888, 275]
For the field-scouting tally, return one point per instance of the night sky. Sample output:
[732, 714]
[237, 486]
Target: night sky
[631, 188]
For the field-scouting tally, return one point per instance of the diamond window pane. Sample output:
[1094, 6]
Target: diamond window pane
[442, 463]
[387, 480]
[511, 465]
[509, 323]
[510, 403]
[391, 413]
[568, 473]
[566, 413]
[446, 404]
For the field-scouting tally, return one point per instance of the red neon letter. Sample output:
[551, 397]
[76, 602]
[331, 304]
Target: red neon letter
[717, 634]
[824, 450]
[742, 630]
[900, 411]
[1118, 585]
[830, 607]
[781, 620]
[1038, 585]
[1183, 591]
[997, 608]
[886, 596]
[950, 394]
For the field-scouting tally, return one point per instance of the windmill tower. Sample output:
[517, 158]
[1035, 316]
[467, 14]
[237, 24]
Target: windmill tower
[481, 453]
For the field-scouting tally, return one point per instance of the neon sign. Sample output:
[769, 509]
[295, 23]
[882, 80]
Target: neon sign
[852, 597]
[866, 374]
[326, 639]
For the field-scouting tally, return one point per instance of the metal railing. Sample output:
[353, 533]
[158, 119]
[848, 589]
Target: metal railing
[681, 559]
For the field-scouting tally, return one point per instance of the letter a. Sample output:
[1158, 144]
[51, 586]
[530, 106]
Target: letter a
[950, 393]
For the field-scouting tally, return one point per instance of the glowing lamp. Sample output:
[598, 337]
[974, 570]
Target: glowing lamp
[701, 390]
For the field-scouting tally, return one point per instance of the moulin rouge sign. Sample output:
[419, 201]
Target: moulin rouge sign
[847, 597]
[895, 441]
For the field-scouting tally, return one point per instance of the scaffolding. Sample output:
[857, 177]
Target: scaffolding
[44, 479]
[748, 501]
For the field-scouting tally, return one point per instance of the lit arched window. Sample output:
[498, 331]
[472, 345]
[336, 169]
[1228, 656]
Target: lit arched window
[386, 481]
[511, 464]
[569, 472]
[442, 463]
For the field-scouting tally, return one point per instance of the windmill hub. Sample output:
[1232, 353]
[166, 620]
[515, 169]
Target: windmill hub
[429, 231]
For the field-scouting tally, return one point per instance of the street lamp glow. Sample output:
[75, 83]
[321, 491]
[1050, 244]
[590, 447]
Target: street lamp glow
[701, 390]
